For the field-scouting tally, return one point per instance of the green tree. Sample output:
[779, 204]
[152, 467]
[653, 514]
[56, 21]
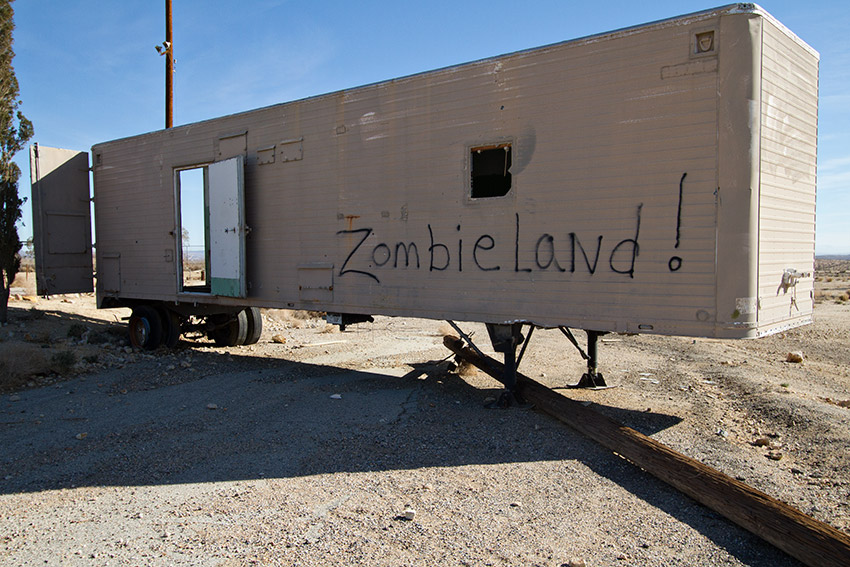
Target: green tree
[15, 131]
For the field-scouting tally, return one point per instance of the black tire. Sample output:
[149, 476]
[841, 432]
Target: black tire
[255, 325]
[170, 327]
[230, 330]
[145, 327]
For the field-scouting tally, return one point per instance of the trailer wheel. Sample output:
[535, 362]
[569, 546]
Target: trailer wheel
[170, 327]
[230, 330]
[145, 327]
[255, 325]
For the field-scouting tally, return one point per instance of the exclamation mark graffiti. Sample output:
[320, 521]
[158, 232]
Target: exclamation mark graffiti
[675, 262]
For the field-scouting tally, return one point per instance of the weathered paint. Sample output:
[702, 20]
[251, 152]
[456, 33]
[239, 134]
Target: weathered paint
[61, 220]
[646, 179]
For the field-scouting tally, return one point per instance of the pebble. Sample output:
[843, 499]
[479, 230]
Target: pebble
[81, 436]
[794, 357]
[212, 406]
[575, 563]
[408, 514]
[761, 442]
[14, 398]
[280, 339]
[336, 396]
[774, 455]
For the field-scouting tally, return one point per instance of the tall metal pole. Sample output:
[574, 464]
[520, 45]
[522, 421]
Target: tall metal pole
[169, 69]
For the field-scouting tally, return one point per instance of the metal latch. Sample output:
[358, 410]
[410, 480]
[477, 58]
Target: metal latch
[790, 277]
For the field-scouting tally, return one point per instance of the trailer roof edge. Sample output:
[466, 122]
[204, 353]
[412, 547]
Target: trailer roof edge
[739, 8]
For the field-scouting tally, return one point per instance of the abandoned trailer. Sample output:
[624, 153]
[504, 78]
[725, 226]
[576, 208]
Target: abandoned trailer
[655, 179]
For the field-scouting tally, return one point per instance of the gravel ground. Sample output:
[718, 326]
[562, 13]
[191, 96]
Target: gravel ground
[362, 448]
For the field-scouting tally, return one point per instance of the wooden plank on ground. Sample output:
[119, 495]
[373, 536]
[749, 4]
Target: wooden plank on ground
[811, 541]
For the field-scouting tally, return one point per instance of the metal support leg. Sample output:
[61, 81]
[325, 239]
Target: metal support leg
[506, 338]
[592, 378]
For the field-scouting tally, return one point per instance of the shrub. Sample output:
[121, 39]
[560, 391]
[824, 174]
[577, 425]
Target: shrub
[63, 361]
[19, 362]
[76, 331]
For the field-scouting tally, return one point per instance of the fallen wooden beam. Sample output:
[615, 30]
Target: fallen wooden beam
[809, 540]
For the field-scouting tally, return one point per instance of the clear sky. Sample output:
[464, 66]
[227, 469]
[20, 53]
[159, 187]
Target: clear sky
[89, 73]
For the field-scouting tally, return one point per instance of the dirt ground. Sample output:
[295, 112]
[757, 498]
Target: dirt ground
[315, 447]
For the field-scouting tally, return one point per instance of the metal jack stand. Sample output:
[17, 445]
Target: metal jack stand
[591, 379]
[505, 339]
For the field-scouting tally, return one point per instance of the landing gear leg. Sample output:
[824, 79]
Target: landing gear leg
[506, 339]
[592, 378]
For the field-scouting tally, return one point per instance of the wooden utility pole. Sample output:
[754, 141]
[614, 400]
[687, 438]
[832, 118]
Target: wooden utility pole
[169, 68]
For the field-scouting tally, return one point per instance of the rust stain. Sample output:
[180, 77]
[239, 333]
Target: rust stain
[350, 219]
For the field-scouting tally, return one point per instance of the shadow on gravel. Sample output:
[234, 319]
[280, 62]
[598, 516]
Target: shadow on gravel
[224, 417]
[61, 320]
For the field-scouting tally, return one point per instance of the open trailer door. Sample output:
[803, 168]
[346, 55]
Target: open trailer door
[61, 218]
[227, 227]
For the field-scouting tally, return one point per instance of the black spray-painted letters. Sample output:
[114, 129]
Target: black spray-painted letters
[367, 254]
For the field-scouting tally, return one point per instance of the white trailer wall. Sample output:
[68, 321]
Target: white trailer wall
[643, 188]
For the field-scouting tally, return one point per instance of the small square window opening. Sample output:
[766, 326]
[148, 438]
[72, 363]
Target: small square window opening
[490, 171]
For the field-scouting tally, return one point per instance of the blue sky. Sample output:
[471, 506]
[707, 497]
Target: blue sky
[89, 73]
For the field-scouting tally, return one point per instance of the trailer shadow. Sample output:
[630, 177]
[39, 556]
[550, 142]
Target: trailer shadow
[48, 325]
[226, 417]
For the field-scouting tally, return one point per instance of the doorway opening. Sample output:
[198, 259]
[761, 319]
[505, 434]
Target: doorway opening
[193, 213]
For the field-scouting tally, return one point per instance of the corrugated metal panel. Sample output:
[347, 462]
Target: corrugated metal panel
[788, 179]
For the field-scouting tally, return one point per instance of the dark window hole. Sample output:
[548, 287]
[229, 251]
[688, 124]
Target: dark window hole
[491, 171]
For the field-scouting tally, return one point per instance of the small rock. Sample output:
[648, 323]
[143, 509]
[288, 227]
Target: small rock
[280, 339]
[212, 406]
[723, 433]
[336, 396]
[81, 436]
[408, 514]
[761, 442]
[795, 470]
[516, 504]
[844, 403]
[794, 357]
[575, 563]
[774, 455]
[14, 398]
